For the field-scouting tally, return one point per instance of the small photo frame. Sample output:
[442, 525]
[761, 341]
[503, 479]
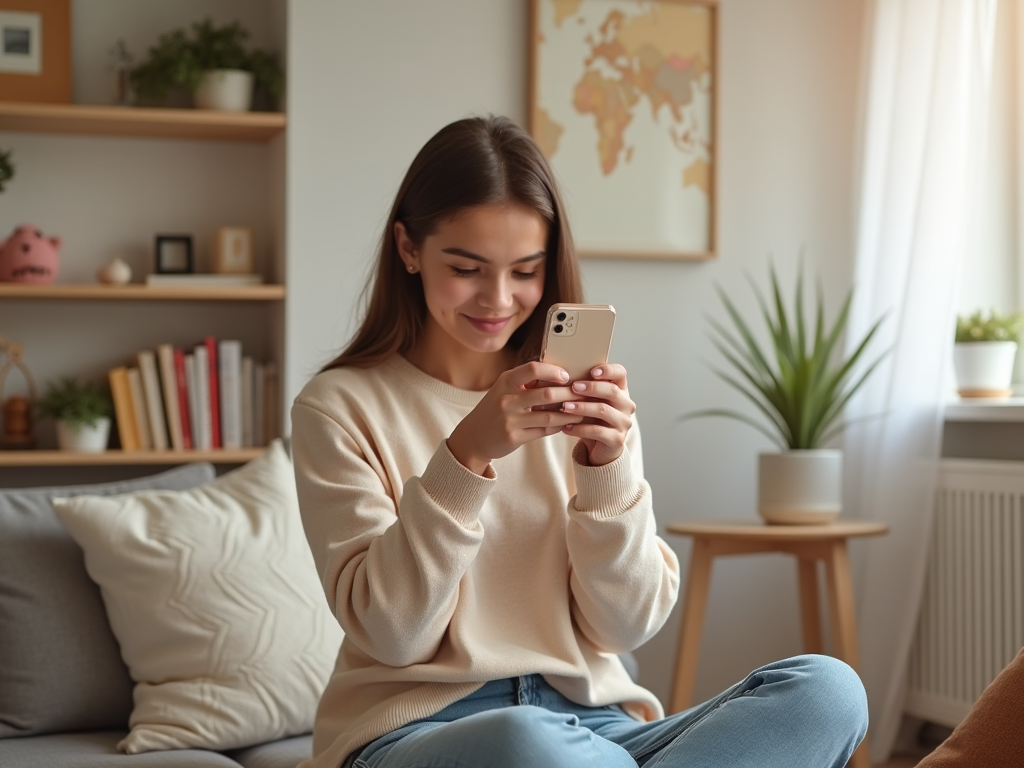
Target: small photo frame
[173, 254]
[232, 251]
[35, 51]
[21, 42]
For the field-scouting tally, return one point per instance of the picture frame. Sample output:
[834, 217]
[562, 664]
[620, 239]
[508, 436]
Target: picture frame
[173, 254]
[232, 251]
[35, 51]
[623, 102]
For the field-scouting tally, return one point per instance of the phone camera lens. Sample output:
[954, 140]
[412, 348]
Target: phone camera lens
[560, 316]
[558, 329]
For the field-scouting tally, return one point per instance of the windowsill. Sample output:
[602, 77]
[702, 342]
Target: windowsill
[1006, 409]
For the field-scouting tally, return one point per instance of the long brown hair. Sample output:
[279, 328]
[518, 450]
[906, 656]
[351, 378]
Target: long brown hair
[476, 161]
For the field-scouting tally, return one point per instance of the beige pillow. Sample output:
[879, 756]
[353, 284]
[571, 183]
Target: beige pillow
[214, 598]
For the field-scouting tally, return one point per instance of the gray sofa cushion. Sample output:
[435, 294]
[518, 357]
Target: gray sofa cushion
[60, 666]
[286, 753]
[97, 750]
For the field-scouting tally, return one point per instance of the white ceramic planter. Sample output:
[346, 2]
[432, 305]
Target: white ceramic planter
[83, 438]
[225, 90]
[800, 487]
[984, 368]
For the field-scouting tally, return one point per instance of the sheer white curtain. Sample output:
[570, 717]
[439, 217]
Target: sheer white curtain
[926, 85]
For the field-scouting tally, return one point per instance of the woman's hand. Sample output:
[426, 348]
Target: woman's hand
[510, 415]
[608, 411]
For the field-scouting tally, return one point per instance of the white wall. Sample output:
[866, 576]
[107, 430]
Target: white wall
[370, 82]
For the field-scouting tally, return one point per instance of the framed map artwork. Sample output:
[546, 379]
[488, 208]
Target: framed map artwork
[623, 104]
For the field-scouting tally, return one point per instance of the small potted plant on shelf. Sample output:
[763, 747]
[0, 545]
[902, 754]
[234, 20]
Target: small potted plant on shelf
[800, 383]
[212, 63]
[82, 410]
[984, 351]
[6, 168]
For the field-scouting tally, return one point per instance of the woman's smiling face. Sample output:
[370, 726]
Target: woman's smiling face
[483, 275]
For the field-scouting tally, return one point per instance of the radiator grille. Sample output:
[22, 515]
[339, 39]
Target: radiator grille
[971, 622]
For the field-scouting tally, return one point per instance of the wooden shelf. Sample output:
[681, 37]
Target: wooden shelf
[969, 409]
[97, 292]
[124, 458]
[140, 122]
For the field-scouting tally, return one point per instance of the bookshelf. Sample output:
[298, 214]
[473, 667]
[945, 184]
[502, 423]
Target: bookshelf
[91, 292]
[89, 120]
[40, 458]
[119, 320]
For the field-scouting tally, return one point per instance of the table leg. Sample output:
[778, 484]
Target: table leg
[844, 624]
[696, 599]
[810, 606]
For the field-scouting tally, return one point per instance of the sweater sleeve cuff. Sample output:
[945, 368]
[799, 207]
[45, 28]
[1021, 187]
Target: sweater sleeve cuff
[605, 491]
[454, 488]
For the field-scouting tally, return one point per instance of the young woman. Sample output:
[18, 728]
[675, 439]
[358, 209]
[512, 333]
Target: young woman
[488, 558]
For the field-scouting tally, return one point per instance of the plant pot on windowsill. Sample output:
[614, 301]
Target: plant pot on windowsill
[800, 387]
[984, 351]
[984, 368]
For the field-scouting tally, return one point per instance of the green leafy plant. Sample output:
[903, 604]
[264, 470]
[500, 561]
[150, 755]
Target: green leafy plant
[994, 327]
[6, 168]
[799, 382]
[79, 403]
[180, 58]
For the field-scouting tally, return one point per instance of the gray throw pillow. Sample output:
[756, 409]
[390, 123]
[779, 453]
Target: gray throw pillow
[60, 666]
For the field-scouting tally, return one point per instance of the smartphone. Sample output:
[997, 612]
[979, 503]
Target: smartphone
[578, 337]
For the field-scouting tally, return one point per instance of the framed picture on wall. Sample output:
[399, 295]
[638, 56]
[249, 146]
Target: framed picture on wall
[623, 103]
[35, 51]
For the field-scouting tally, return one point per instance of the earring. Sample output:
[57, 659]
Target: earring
[411, 268]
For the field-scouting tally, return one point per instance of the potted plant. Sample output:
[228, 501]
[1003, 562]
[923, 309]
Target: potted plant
[82, 411]
[984, 351]
[800, 383]
[6, 168]
[212, 63]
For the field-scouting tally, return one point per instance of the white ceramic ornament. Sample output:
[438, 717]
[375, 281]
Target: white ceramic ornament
[115, 272]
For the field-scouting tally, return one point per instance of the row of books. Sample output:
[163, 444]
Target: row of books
[208, 397]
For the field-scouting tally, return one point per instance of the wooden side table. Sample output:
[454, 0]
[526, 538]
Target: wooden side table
[808, 544]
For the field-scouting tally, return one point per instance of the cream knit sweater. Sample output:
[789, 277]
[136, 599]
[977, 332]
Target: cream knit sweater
[443, 579]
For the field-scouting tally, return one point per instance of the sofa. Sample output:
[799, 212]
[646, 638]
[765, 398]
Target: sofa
[67, 694]
[171, 621]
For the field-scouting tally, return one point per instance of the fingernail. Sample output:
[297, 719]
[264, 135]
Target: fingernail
[564, 375]
[567, 428]
[569, 406]
[597, 372]
[579, 386]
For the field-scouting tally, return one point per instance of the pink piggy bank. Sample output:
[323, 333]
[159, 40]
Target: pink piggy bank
[28, 257]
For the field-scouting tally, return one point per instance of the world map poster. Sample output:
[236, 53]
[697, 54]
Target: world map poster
[623, 105]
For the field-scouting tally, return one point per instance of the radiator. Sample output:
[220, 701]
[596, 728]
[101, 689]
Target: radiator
[971, 622]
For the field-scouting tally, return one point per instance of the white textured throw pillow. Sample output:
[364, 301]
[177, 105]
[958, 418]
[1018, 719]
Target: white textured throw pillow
[213, 595]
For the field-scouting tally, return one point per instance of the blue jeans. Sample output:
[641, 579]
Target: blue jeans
[804, 712]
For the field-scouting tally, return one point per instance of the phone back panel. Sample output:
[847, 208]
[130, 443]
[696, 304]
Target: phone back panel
[577, 337]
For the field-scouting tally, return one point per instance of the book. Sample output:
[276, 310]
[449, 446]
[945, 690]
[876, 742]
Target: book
[124, 411]
[202, 280]
[247, 402]
[154, 400]
[182, 386]
[192, 389]
[139, 407]
[270, 416]
[259, 406]
[214, 390]
[203, 425]
[169, 386]
[229, 366]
